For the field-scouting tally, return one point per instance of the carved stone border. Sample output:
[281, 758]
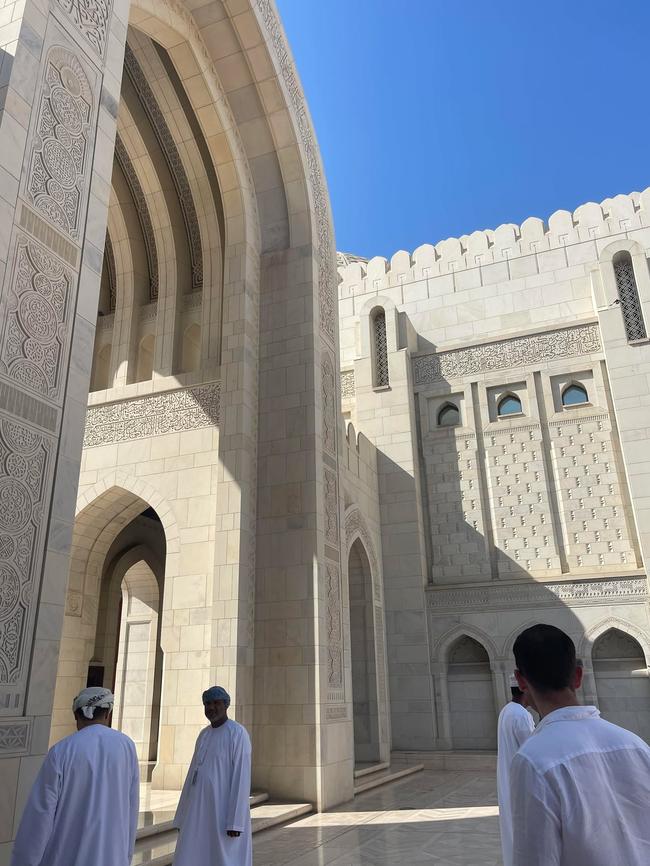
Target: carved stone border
[153, 415]
[505, 354]
[15, 737]
[572, 594]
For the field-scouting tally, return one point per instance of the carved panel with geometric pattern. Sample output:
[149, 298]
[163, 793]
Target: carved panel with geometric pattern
[36, 320]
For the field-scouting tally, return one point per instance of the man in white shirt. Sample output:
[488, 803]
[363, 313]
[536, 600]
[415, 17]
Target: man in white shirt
[83, 807]
[580, 786]
[515, 726]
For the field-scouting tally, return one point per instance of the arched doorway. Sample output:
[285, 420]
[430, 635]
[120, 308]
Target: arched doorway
[112, 633]
[363, 657]
[472, 711]
[622, 684]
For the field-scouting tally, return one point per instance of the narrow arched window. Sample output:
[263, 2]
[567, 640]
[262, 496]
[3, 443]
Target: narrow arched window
[628, 295]
[448, 416]
[574, 395]
[380, 349]
[509, 405]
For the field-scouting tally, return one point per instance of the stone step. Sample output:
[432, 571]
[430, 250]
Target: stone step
[475, 761]
[157, 847]
[384, 777]
[362, 770]
[163, 821]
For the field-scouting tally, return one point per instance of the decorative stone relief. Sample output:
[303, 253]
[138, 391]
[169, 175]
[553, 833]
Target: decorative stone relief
[334, 627]
[73, 603]
[502, 355]
[154, 415]
[15, 736]
[538, 594]
[331, 508]
[174, 161]
[36, 320]
[91, 18]
[336, 714]
[61, 150]
[355, 526]
[382, 686]
[144, 218]
[25, 459]
[328, 397]
[326, 256]
[347, 384]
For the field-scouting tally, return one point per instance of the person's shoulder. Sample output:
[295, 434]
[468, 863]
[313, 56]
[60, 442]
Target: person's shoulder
[617, 736]
[237, 729]
[117, 738]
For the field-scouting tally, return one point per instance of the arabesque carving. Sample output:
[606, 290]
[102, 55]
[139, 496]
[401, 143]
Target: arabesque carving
[91, 18]
[504, 354]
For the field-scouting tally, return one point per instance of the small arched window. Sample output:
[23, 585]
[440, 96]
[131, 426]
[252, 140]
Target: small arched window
[628, 295]
[448, 416]
[574, 395]
[380, 349]
[509, 405]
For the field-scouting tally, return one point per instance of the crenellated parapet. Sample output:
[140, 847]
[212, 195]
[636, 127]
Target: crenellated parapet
[481, 249]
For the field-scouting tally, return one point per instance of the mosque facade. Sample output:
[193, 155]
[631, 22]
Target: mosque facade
[339, 487]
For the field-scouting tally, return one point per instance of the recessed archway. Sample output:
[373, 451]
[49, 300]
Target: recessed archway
[622, 684]
[472, 710]
[363, 657]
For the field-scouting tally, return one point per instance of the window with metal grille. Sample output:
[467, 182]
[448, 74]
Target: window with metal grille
[381, 349]
[628, 295]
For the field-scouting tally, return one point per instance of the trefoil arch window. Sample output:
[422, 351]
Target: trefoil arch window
[448, 416]
[380, 349]
[574, 395]
[628, 296]
[509, 405]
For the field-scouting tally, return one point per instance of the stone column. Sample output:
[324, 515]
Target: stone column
[61, 78]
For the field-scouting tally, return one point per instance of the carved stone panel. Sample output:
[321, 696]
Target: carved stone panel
[156, 414]
[328, 399]
[36, 320]
[61, 148]
[347, 384]
[334, 627]
[331, 508]
[91, 19]
[504, 354]
[26, 458]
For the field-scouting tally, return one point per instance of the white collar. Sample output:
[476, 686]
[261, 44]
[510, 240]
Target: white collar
[569, 714]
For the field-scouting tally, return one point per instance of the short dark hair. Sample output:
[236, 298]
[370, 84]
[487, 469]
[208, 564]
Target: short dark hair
[546, 657]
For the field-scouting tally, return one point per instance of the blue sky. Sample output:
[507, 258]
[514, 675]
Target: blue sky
[439, 117]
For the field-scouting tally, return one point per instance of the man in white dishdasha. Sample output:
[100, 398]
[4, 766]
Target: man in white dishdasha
[514, 727]
[579, 786]
[83, 807]
[213, 814]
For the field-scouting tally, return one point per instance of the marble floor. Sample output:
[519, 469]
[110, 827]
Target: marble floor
[430, 819]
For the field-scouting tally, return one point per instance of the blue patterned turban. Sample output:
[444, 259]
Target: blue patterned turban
[216, 693]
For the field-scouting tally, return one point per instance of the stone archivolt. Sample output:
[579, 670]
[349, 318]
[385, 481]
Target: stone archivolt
[328, 394]
[176, 167]
[326, 255]
[154, 415]
[506, 354]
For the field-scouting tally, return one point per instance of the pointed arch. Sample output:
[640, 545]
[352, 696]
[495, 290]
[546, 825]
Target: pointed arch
[610, 622]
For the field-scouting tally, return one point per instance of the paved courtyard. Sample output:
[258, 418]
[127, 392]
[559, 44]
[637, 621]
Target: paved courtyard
[441, 818]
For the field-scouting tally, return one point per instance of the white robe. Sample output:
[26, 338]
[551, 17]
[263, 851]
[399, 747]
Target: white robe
[83, 807]
[515, 726]
[580, 790]
[215, 799]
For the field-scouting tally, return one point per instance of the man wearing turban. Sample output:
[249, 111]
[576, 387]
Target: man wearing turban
[213, 814]
[83, 807]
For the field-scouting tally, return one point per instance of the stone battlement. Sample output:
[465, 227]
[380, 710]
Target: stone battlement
[587, 223]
